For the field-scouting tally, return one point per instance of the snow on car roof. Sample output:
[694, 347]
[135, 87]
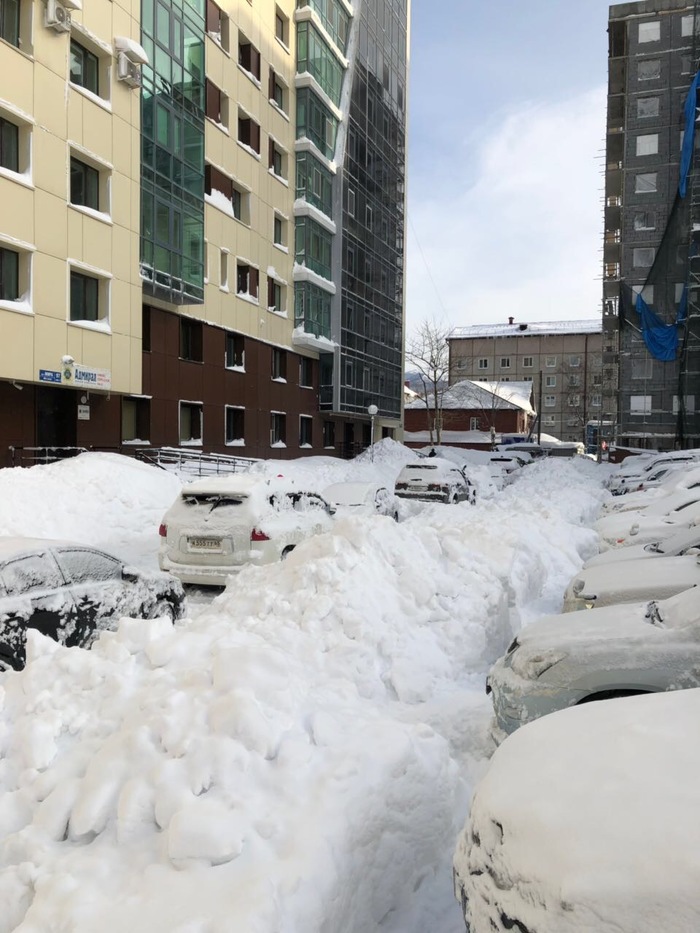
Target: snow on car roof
[596, 811]
[11, 546]
[218, 485]
[349, 493]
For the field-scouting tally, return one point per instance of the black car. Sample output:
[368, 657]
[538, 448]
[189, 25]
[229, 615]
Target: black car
[70, 592]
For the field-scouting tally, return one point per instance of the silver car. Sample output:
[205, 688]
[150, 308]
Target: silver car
[629, 581]
[683, 542]
[360, 498]
[565, 660]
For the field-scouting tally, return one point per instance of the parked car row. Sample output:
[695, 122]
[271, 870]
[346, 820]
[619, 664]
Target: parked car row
[638, 632]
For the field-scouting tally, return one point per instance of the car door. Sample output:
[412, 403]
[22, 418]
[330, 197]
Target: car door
[98, 589]
[35, 597]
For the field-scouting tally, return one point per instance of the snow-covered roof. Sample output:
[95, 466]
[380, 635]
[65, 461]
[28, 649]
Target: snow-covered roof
[528, 329]
[483, 395]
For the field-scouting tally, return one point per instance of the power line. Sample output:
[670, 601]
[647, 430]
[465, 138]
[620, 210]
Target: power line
[427, 267]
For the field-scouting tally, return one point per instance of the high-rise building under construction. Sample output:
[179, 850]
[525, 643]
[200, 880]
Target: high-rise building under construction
[651, 280]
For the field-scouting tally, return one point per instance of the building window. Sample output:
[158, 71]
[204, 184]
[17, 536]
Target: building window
[275, 296]
[527, 362]
[474, 424]
[549, 420]
[351, 202]
[248, 132]
[550, 361]
[686, 64]
[483, 364]
[278, 429]
[218, 25]
[550, 401]
[9, 21]
[688, 404]
[84, 67]
[550, 382]
[9, 145]
[223, 270]
[279, 365]
[648, 69]
[527, 378]
[648, 144]
[225, 194]
[573, 382]
[650, 32]
[146, 329]
[85, 303]
[645, 220]
[235, 351]
[248, 56]
[235, 425]
[277, 91]
[216, 104]
[136, 420]
[84, 184]
[281, 27]
[505, 362]
[574, 401]
[687, 23]
[645, 183]
[305, 372]
[574, 361]
[191, 418]
[329, 433]
[306, 425]
[191, 343]
[647, 107]
[9, 275]
[246, 281]
[643, 257]
[279, 231]
[277, 160]
[643, 368]
[596, 400]
[640, 404]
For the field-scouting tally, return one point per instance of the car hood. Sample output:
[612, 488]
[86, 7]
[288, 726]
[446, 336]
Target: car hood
[622, 580]
[563, 631]
[615, 555]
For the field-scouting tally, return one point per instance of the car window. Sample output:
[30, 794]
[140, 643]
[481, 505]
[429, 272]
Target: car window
[82, 565]
[213, 501]
[303, 501]
[30, 573]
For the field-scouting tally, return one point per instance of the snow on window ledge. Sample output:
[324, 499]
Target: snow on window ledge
[235, 369]
[279, 379]
[280, 178]
[278, 444]
[237, 442]
[21, 306]
[256, 155]
[249, 75]
[95, 98]
[135, 441]
[91, 212]
[102, 327]
[191, 442]
[279, 110]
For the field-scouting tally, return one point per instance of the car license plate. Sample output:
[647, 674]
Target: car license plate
[205, 544]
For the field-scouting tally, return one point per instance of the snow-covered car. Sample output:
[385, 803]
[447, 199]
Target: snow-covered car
[653, 523]
[629, 581]
[362, 499]
[631, 477]
[682, 542]
[675, 480]
[70, 592]
[433, 479]
[219, 525]
[562, 660]
[587, 820]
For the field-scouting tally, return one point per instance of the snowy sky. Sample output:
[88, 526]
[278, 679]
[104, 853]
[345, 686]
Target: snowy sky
[506, 135]
[296, 755]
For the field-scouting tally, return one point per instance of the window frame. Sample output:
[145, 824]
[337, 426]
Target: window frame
[306, 425]
[191, 346]
[278, 365]
[81, 275]
[191, 406]
[234, 351]
[88, 57]
[239, 411]
[278, 429]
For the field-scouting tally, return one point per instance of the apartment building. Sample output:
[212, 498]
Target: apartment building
[202, 236]
[563, 361]
[651, 282]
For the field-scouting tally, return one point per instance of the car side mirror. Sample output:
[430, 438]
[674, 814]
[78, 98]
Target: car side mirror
[130, 574]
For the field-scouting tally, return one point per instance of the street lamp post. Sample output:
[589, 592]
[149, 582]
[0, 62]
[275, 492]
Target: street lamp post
[372, 411]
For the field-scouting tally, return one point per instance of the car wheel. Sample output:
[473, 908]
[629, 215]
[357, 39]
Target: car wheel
[451, 498]
[286, 552]
[162, 608]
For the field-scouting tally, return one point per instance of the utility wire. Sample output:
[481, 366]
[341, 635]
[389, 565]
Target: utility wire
[427, 267]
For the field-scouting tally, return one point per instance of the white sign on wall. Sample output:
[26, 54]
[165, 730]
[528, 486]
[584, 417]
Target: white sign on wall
[85, 377]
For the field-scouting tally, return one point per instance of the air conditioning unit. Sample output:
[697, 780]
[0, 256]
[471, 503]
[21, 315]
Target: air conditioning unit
[127, 71]
[57, 17]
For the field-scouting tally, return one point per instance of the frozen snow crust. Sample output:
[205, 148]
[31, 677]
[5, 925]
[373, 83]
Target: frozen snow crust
[293, 758]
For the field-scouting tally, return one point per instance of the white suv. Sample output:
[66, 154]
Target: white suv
[217, 526]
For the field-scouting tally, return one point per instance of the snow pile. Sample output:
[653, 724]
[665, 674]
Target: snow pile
[292, 759]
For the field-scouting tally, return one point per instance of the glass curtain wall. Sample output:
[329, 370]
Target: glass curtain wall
[172, 150]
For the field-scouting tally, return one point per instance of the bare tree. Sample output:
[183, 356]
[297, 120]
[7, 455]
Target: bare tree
[428, 353]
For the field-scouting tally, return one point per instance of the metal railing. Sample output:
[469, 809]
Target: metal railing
[30, 456]
[192, 462]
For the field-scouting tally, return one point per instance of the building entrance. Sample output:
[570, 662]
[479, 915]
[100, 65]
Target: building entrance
[56, 417]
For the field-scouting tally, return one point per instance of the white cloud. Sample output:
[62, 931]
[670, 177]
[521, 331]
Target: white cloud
[520, 232]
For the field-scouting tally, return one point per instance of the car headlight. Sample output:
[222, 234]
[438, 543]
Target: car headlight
[533, 666]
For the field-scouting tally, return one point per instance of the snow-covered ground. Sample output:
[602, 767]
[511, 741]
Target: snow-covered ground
[298, 755]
